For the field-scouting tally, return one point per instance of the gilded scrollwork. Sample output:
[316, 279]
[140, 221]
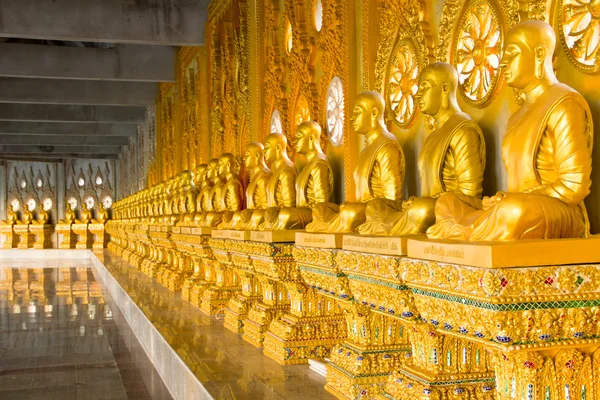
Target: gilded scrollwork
[579, 30]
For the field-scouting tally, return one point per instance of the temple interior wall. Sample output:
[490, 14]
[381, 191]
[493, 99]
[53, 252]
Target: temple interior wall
[268, 65]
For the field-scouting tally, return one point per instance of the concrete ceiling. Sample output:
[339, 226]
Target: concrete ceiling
[77, 75]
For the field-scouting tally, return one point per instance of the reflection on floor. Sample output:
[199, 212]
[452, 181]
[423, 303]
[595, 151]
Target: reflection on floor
[59, 337]
[227, 366]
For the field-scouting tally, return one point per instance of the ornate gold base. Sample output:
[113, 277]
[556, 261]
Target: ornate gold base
[295, 340]
[258, 321]
[237, 311]
[215, 298]
[409, 384]
[362, 373]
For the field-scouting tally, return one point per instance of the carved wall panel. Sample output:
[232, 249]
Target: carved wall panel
[31, 184]
[91, 182]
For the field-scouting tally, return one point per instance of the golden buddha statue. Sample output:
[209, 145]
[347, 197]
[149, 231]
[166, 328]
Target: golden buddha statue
[213, 202]
[203, 201]
[547, 152]
[101, 215]
[42, 217]
[11, 216]
[452, 159]
[314, 184]
[281, 188]
[26, 217]
[69, 215]
[187, 195]
[85, 216]
[256, 192]
[379, 172]
[232, 194]
[198, 182]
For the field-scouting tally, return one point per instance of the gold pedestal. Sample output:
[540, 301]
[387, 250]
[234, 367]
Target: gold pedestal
[42, 235]
[319, 240]
[99, 236]
[69, 237]
[227, 284]
[273, 264]
[12, 240]
[274, 236]
[239, 305]
[84, 239]
[24, 235]
[315, 322]
[205, 257]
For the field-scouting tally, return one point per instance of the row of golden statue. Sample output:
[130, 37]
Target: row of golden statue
[444, 296]
[36, 232]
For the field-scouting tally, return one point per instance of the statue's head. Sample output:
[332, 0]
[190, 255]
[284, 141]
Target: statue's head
[437, 87]
[213, 170]
[275, 147]
[368, 112]
[228, 163]
[527, 59]
[200, 174]
[254, 155]
[308, 137]
[185, 179]
[10, 207]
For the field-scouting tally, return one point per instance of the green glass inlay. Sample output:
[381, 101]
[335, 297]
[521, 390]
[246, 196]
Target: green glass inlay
[449, 358]
[477, 355]
[376, 332]
[583, 392]
[547, 397]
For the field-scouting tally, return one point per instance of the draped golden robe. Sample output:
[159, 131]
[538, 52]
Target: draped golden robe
[281, 192]
[314, 185]
[379, 173]
[232, 200]
[452, 160]
[11, 218]
[547, 152]
[214, 205]
[256, 202]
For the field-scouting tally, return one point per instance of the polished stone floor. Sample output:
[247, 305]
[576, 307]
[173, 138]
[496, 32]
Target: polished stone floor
[227, 366]
[63, 337]
[59, 337]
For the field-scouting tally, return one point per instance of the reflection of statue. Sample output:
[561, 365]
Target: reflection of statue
[86, 215]
[214, 197]
[42, 217]
[26, 217]
[11, 216]
[452, 159]
[314, 184]
[232, 195]
[69, 215]
[378, 174]
[281, 189]
[547, 151]
[256, 192]
[101, 215]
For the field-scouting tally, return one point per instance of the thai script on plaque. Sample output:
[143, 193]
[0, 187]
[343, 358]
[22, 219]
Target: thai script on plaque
[443, 252]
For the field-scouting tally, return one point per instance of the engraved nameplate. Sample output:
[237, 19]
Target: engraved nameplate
[384, 245]
[176, 229]
[319, 240]
[274, 236]
[186, 230]
[219, 234]
[518, 253]
[239, 235]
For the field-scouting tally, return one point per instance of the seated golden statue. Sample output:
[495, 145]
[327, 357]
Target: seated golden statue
[452, 159]
[11, 216]
[193, 196]
[26, 217]
[256, 192]
[281, 188]
[69, 215]
[379, 172]
[85, 216]
[214, 205]
[42, 217]
[314, 184]
[232, 195]
[101, 215]
[204, 198]
[547, 152]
